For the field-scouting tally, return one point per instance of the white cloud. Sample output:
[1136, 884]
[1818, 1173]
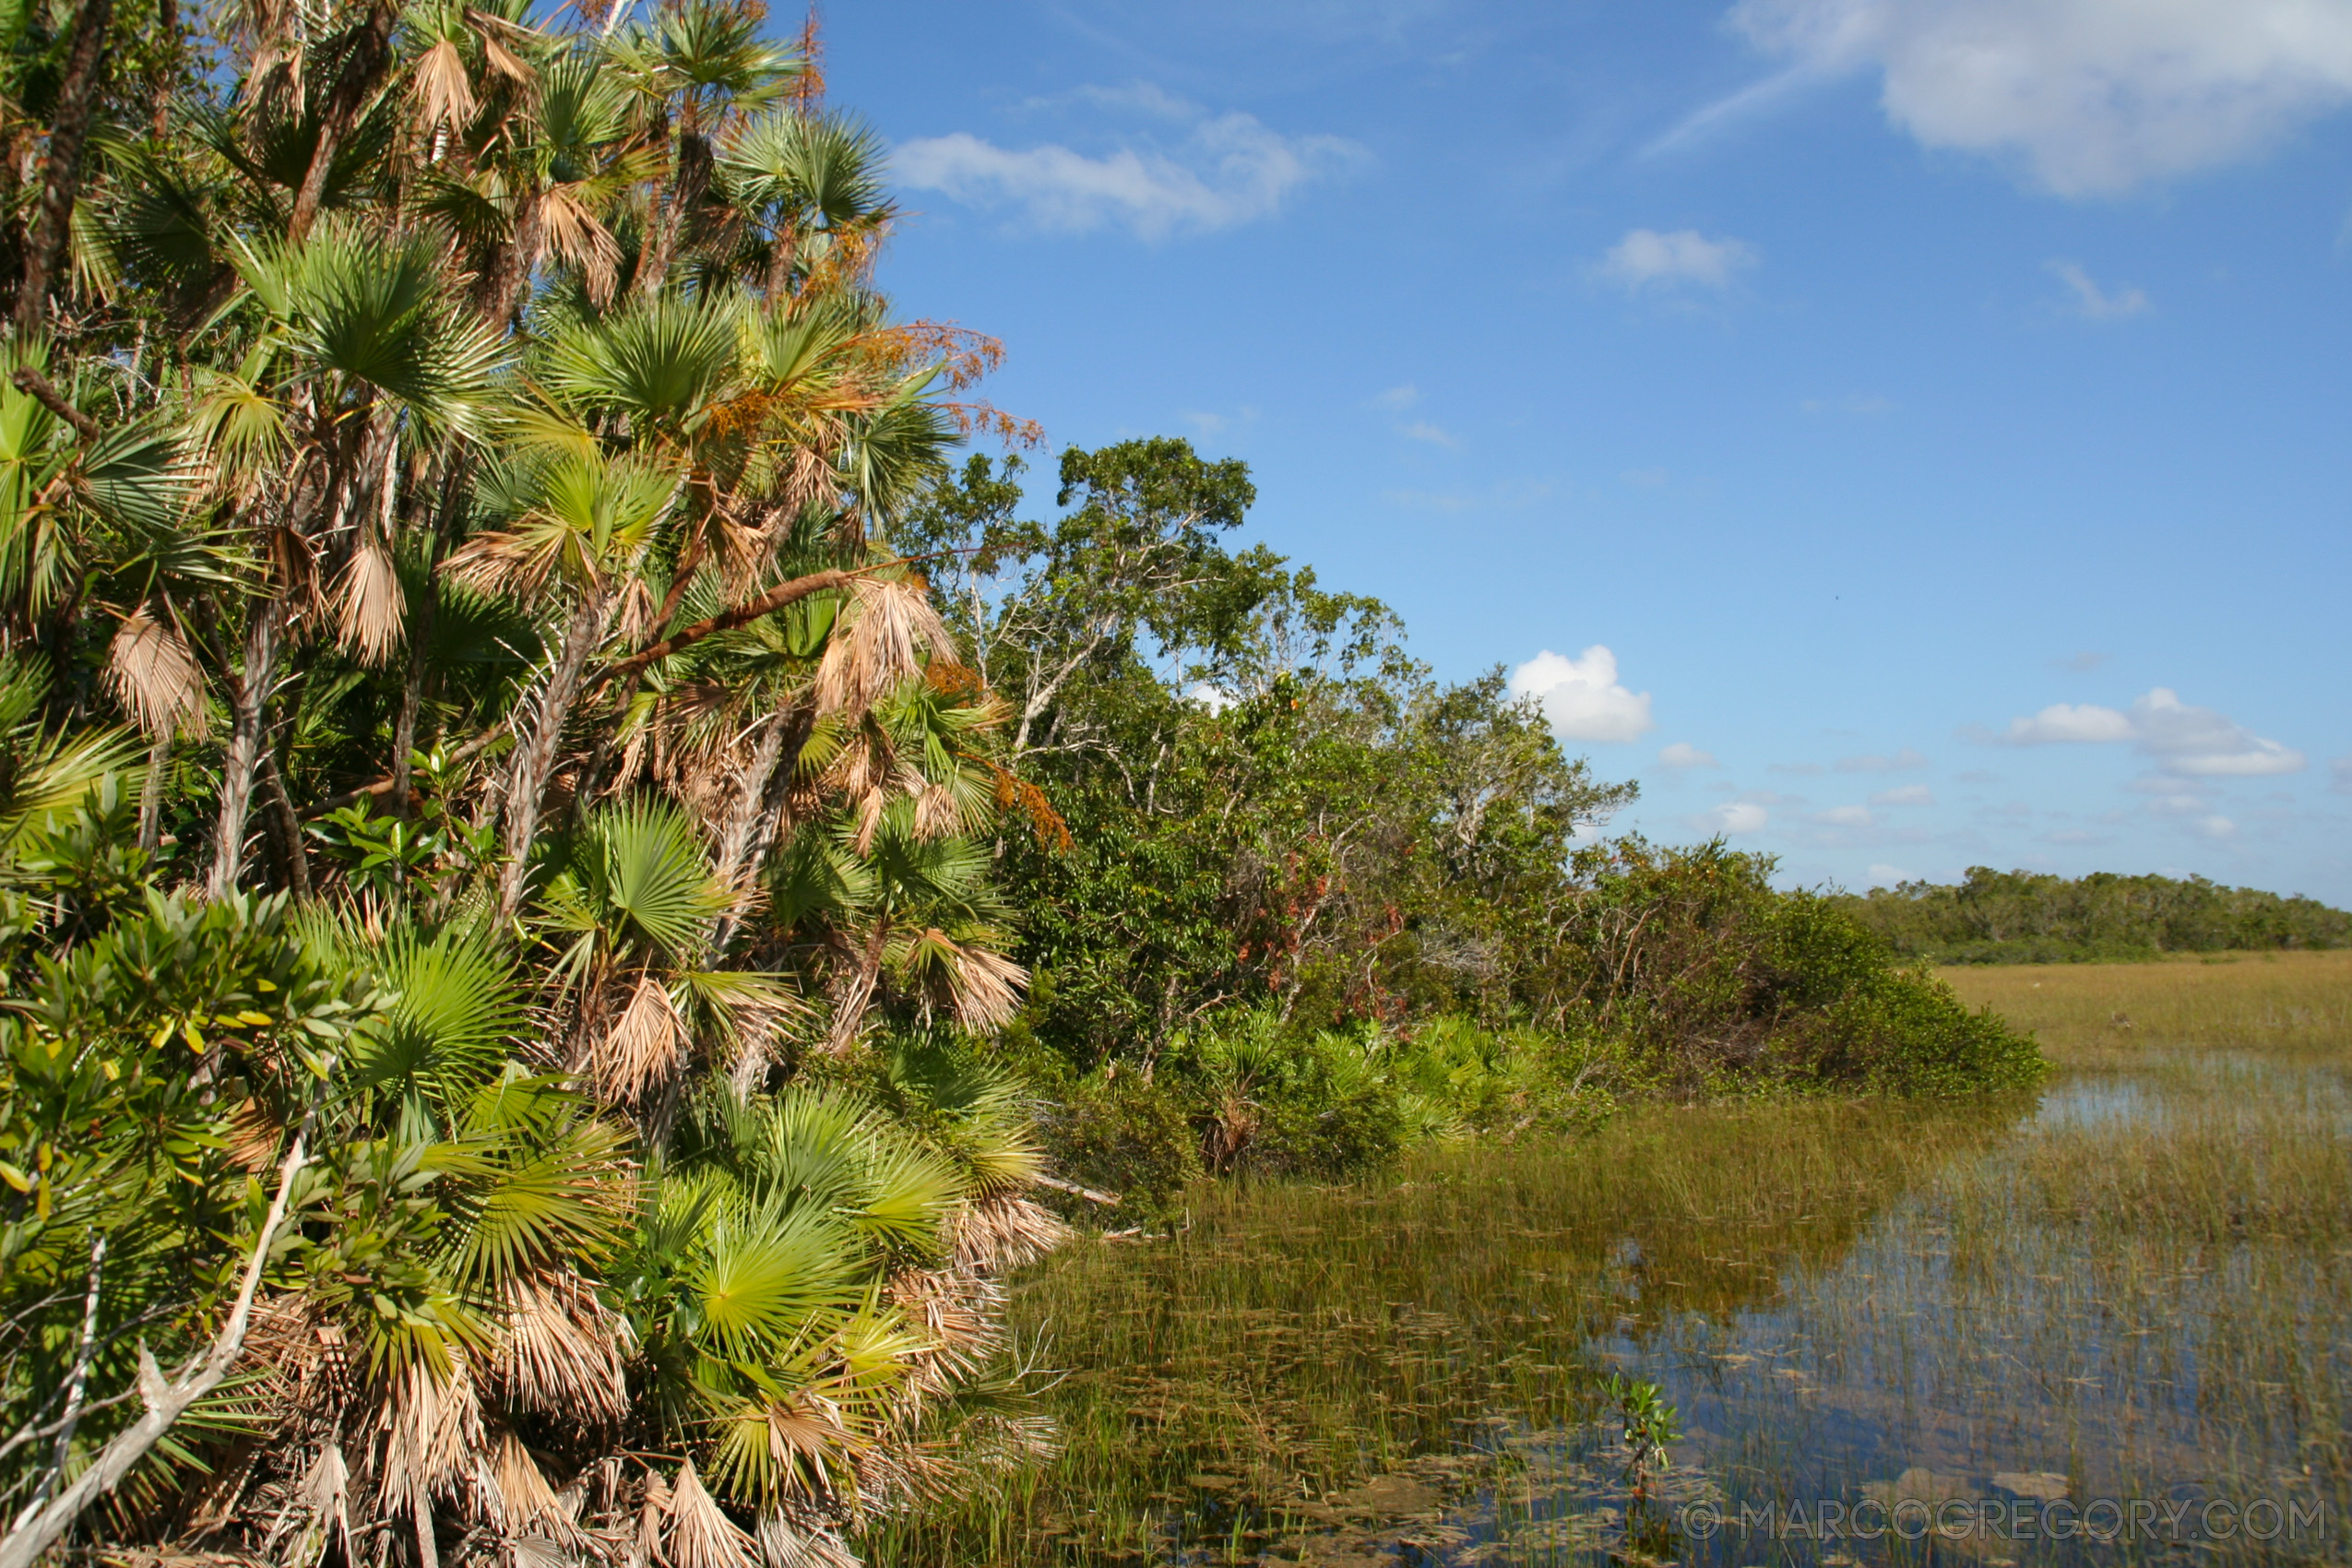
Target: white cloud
[1214, 698]
[1905, 795]
[2340, 775]
[1847, 816]
[1228, 169]
[1905, 761]
[2062, 722]
[2215, 828]
[1645, 256]
[1421, 430]
[2202, 743]
[2090, 96]
[1397, 399]
[1582, 696]
[1887, 876]
[1681, 754]
[2095, 304]
[1732, 817]
[2196, 742]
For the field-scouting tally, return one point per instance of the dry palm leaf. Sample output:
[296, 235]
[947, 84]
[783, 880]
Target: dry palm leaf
[154, 676]
[444, 92]
[373, 607]
[792, 1542]
[562, 1353]
[430, 1424]
[885, 629]
[572, 234]
[986, 986]
[700, 1534]
[644, 1045]
[1003, 1233]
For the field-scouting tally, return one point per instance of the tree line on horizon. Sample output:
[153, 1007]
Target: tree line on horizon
[2021, 917]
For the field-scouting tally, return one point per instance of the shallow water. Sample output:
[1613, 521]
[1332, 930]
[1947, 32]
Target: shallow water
[1988, 1332]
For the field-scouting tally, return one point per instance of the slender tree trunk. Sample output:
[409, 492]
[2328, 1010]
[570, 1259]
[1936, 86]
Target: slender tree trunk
[759, 808]
[158, 756]
[510, 288]
[370, 49]
[287, 828]
[248, 703]
[686, 185]
[420, 623]
[45, 258]
[534, 758]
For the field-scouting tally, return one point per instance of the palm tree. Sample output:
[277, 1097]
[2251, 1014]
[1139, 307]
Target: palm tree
[480, 458]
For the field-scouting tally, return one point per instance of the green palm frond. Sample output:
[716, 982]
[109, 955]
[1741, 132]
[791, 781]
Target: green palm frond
[770, 1276]
[639, 883]
[354, 306]
[537, 1203]
[660, 364]
[455, 1011]
[47, 773]
[820, 171]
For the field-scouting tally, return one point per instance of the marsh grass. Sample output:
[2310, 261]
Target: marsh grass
[2138, 1281]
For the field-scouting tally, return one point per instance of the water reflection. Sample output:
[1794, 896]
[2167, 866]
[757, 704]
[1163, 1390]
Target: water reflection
[1850, 1305]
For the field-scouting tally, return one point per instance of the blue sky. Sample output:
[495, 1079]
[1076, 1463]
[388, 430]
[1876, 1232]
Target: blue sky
[1905, 435]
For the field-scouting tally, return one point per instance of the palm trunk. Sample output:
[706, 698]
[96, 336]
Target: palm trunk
[248, 701]
[750, 827]
[370, 49]
[686, 183]
[68, 133]
[285, 826]
[535, 758]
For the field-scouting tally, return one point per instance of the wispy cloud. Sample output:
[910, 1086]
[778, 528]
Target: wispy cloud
[2089, 96]
[1223, 170]
[1421, 430]
[2095, 304]
[1645, 257]
[1905, 761]
[1681, 754]
[2192, 742]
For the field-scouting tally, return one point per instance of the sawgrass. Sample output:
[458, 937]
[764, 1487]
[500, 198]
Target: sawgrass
[2136, 1283]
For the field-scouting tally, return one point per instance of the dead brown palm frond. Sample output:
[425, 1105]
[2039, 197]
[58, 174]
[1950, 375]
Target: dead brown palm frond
[796, 1539]
[645, 1045]
[429, 1424]
[495, 32]
[562, 1353]
[322, 1501]
[521, 1502]
[986, 986]
[1006, 1232]
[939, 814]
[572, 234]
[373, 609]
[805, 1434]
[653, 1509]
[443, 91]
[956, 1309]
[513, 564]
[700, 1534]
[154, 674]
[890, 626]
[637, 611]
